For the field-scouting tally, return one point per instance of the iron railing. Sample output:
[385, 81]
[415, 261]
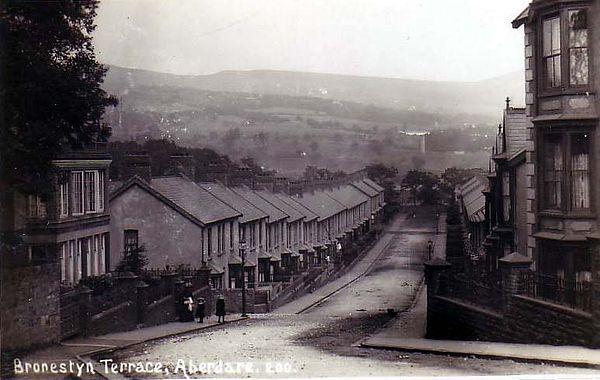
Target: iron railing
[571, 293]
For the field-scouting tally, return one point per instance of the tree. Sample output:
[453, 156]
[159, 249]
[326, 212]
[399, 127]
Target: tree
[423, 186]
[133, 261]
[50, 93]
[381, 173]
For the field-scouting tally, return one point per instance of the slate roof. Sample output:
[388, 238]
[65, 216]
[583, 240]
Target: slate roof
[248, 210]
[373, 184]
[360, 185]
[273, 212]
[321, 204]
[515, 128]
[193, 199]
[348, 195]
[521, 18]
[293, 214]
[307, 213]
[473, 198]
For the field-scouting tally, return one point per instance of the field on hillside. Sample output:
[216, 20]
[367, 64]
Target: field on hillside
[289, 139]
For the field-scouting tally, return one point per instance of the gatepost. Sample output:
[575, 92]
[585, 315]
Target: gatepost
[434, 268]
[141, 300]
[85, 300]
[513, 267]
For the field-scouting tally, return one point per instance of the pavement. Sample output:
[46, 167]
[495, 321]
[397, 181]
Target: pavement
[407, 332]
[81, 348]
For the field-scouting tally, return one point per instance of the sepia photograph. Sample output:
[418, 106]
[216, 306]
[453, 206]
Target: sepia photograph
[282, 189]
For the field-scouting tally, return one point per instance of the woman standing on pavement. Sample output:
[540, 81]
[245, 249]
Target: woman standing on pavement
[220, 309]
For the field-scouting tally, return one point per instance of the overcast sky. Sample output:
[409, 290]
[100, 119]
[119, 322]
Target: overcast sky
[453, 40]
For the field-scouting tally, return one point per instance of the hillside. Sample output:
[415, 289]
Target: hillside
[482, 97]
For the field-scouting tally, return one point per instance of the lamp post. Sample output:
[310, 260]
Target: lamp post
[243, 254]
[429, 248]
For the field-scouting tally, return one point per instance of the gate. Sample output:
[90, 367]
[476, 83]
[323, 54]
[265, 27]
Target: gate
[69, 314]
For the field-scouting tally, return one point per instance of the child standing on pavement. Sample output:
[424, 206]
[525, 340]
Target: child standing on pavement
[200, 310]
[220, 309]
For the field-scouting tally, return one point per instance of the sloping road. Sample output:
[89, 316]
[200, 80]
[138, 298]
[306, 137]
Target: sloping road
[318, 341]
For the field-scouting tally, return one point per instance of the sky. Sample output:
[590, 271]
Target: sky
[444, 40]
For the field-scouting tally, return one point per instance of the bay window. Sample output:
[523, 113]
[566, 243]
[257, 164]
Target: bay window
[566, 171]
[87, 192]
[564, 49]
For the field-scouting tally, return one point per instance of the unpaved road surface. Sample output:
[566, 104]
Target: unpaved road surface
[319, 341]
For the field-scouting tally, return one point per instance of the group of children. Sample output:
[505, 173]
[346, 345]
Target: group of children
[189, 315]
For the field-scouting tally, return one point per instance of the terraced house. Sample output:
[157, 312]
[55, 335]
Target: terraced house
[562, 60]
[329, 212]
[179, 224]
[273, 235]
[252, 226]
[290, 256]
[308, 234]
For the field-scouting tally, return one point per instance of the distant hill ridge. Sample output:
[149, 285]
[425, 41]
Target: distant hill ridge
[481, 97]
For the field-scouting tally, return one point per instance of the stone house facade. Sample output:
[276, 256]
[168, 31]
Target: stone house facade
[178, 223]
[62, 239]
[562, 41]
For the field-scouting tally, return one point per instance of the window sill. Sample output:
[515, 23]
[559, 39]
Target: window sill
[579, 90]
[571, 215]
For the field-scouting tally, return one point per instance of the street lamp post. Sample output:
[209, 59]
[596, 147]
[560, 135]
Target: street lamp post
[243, 254]
[429, 248]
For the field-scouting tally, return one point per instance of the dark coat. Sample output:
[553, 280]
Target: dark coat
[186, 315]
[200, 310]
[220, 307]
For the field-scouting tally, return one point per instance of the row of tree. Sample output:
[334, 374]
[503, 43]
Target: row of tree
[428, 188]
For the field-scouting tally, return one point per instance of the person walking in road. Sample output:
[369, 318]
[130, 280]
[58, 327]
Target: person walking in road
[200, 310]
[220, 309]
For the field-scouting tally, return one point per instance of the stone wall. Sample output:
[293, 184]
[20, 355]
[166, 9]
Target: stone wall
[160, 312]
[122, 317]
[452, 319]
[30, 311]
[542, 322]
[524, 320]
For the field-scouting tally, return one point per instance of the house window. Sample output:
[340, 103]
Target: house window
[580, 171]
[578, 47]
[252, 235]
[553, 171]
[566, 160]
[506, 202]
[64, 199]
[131, 240]
[230, 235]
[90, 191]
[37, 207]
[552, 52]
[77, 185]
[209, 241]
[100, 190]
[565, 55]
